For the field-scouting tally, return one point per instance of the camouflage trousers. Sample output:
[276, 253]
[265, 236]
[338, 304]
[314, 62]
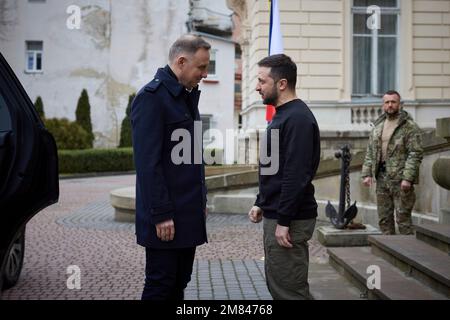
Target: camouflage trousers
[390, 197]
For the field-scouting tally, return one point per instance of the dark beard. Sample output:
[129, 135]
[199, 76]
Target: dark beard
[272, 99]
[392, 116]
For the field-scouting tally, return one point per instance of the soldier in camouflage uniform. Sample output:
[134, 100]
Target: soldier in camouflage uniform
[393, 158]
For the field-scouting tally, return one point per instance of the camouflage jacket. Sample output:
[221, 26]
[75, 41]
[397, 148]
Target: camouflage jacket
[404, 150]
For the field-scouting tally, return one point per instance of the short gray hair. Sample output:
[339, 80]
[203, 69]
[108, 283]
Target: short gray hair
[187, 44]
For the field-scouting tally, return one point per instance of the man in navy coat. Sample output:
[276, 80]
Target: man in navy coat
[170, 180]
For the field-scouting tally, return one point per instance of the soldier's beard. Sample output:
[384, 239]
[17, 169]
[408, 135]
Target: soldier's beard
[392, 116]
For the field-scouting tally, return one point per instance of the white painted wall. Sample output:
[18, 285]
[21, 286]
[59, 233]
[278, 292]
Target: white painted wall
[117, 50]
[213, 12]
[217, 97]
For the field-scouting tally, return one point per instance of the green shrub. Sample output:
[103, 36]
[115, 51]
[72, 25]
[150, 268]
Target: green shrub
[83, 115]
[125, 131]
[95, 160]
[39, 105]
[68, 135]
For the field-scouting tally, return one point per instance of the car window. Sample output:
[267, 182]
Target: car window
[5, 118]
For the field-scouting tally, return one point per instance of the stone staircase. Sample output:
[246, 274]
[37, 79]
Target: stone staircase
[411, 267]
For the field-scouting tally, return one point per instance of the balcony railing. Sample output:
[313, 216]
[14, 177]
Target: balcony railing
[365, 114]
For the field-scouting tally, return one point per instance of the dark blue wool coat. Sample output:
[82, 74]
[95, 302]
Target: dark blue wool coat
[164, 189]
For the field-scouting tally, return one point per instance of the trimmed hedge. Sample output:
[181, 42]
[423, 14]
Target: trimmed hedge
[99, 160]
[96, 160]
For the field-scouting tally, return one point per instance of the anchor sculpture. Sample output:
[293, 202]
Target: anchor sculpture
[343, 218]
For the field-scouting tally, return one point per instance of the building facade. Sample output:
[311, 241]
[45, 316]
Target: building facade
[348, 53]
[217, 102]
[112, 49]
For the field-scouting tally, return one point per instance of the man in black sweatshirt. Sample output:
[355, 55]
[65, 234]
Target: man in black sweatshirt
[286, 196]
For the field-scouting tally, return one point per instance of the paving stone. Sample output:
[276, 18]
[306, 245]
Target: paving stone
[80, 230]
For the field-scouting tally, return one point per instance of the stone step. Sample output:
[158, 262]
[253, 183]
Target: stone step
[325, 283]
[329, 236]
[232, 203]
[123, 202]
[420, 260]
[353, 262]
[231, 181]
[437, 235]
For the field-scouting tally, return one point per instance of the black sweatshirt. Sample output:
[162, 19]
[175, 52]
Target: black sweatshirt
[288, 194]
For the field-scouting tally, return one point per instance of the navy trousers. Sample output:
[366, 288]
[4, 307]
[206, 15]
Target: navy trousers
[167, 273]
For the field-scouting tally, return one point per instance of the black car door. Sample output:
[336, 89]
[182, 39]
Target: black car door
[28, 161]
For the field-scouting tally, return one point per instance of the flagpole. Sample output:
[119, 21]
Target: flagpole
[275, 44]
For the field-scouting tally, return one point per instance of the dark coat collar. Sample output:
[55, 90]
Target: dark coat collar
[170, 81]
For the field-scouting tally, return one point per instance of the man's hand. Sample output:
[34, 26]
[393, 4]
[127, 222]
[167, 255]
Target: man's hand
[368, 181]
[283, 237]
[255, 214]
[165, 230]
[406, 185]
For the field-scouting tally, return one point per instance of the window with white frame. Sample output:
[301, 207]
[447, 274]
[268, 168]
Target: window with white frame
[206, 125]
[212, 72]
[34, 56]
[375, 46]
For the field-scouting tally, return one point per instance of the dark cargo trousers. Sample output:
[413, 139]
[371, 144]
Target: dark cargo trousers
[391, 198]
[286, 269]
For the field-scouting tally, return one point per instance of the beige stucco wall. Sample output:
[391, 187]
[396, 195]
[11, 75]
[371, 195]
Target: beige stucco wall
[117, 50]
[317, 34]
[431, 49]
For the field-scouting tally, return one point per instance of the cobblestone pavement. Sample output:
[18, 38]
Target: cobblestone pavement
[80, 231]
